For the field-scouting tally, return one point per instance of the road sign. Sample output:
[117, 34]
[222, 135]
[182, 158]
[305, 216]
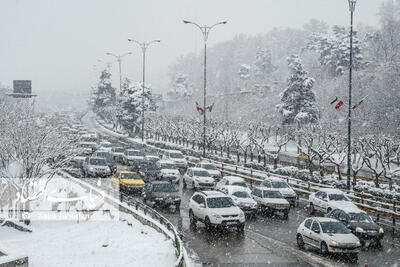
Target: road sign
[22, 87]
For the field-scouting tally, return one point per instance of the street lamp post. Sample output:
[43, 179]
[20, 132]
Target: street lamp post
[119, 59]
[352, 6]
[144, 47]
[205, 30]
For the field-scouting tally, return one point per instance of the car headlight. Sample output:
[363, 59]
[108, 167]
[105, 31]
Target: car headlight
[216, 216]
[333, 242]
[142, 173]
[358, 243]
[91, 169]
[359, 229]
[108, 169]
[158, 198]
[381, 230]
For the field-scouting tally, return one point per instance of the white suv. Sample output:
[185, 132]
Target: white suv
[214, 208]
[198, 178]
[177, 157]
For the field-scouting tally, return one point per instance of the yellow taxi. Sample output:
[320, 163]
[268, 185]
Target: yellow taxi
[127, 181]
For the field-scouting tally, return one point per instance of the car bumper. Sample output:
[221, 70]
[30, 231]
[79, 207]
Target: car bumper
[224, 222]
[376, 236]
[167, 202]
[344, 249]
[204, 185]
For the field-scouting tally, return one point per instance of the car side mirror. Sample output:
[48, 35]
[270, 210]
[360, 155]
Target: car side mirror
[317, 231]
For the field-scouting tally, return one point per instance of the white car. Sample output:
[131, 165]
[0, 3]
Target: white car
[151, 158]
[326, 199]
[177, 157]
[198, 178]
[105, 146]
[282, 186]
[233, 180]
[328, 235]
[271, 201]
[132, 155]
[214, 208]
[241, 198]
[211, 168]
[168, 171]
[118, 153]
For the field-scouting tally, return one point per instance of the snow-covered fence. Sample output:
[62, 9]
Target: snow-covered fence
[145, 215]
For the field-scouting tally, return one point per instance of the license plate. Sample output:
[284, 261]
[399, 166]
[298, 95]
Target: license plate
[230, 223]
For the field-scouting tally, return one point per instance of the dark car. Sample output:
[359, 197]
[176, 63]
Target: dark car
[161, 194]
[360, 224]
[149, 170]
[108, 157]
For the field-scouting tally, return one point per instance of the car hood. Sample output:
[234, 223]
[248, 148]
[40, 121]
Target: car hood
[364, 225]
[79, 158]
[242, 201]
[134, 157]
[132, 181]
[276, 200]
[287, 192]
[342, 204]
[98, 167]
[204, 179]
[170, 171]
[166, 194]
[214, 172]
[343, 238]
[227, 211]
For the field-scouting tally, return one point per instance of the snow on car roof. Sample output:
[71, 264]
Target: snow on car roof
[129, 150]
[166, 161]
[351, 209]
[198, 169]
[174, 151]
[274, 178]
[323, 219]
[213, 193]
[234, 179]
[330, 191]
[234, 188]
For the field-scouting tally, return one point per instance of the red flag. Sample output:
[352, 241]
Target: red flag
[359, 103]
[339, 104]
[199, 109]
[210, 107]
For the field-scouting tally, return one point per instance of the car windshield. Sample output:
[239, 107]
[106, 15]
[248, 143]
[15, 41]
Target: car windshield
[150, 150]
[334, 228]
[219, 202]
[104, 155]
[118, 149]
[135, 153]
[338, 197]
[201, 173]
[266, 183]
[279, 184]
[85, 145]
[167, 166]
[360, 217]
[164, 188]
[209, 167]
[106, 145]
[130, 176]
[88, 139]
[242, 184]
[272, 194]
[241, 194]
[176, 155]
[101, 162]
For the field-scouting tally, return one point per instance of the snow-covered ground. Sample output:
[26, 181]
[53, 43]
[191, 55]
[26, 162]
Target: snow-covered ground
[102, 240]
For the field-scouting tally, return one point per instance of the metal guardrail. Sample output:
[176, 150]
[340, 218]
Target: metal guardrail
[148, 211]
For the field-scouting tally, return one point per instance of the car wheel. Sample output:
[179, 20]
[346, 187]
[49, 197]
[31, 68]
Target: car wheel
[286, 215]
[192, 219]
[324, 249]
[184, 183]
[300, 241]
[312, 210]
[208, 224]
[328, 210]
[193, 186]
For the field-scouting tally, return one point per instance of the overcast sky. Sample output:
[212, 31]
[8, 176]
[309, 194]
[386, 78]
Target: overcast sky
[55, 43]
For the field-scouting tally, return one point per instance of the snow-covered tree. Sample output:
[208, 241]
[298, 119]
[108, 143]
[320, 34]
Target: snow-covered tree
[263, 63]
[298, 99]
[130, 106]
[334, 50]
[104, 95]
